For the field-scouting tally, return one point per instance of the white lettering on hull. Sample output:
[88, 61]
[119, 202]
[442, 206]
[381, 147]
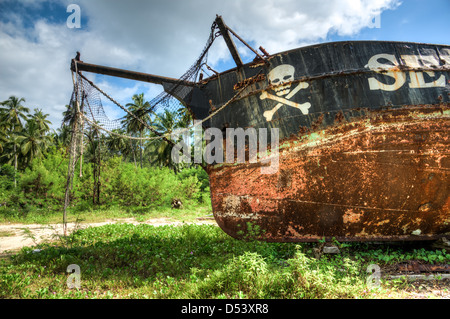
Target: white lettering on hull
[390, 67]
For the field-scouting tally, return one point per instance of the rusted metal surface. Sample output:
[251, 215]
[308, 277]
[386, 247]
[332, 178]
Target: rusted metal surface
[382, 178]
[417, 267]
[249, 81]
[266, 54]
[364, 150]
[364, 142]
[133, 75]
[348, 77]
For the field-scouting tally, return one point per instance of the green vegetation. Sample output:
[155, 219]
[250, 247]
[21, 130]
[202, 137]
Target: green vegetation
[126, 190]
[195, 261]
[118, 178]
[114, 176]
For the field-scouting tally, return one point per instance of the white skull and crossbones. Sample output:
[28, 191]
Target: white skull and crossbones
[281, 78]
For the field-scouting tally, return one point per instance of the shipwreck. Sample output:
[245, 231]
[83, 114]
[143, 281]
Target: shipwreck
[363, 139]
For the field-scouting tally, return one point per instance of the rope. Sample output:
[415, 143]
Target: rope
[164, 97]
[163, 136]
[118, 104]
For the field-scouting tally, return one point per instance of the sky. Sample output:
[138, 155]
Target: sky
[38, 38]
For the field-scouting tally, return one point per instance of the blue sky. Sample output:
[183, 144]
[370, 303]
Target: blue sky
[165, 37]
[414, 21]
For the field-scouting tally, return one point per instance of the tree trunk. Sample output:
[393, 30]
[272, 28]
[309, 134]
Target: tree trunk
[15, 165]
[140, 148]
[94, 195]
[96, 174]
[71, 169]
[81, 155]
[134, 154]
[81, 162]
[98, 177]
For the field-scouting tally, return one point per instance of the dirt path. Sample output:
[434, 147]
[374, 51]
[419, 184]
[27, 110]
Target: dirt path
[15, 236]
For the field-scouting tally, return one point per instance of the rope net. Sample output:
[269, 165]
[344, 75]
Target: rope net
[86, 112]
[86, 101]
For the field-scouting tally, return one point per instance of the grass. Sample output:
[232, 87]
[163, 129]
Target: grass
[6, 233]
[102, 213]
[196, 261]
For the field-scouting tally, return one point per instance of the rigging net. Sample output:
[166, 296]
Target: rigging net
[86, 101]
[85, 111]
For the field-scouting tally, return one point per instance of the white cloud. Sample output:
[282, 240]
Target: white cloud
[286, 24]
[35, 70]
[163, 37]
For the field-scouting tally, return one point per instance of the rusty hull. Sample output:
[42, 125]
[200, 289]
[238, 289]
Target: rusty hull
[364, 140]
[384, 177]
[367, 161]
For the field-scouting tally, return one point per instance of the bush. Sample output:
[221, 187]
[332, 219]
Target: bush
[6, 177]
[243, 274]
[6, 186]
[42, 186]
[314, 278]
[128, 185]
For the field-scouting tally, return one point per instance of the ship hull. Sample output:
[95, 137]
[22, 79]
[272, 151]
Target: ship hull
[363, 144]
[359, 131]
[368, 180]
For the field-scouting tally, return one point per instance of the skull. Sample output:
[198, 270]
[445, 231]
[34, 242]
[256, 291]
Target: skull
[281, 77]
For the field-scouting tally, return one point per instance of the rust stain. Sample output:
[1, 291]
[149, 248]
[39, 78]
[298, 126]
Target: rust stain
[317, 123]
[374, 179]
[416, 267]
[249, 81]
[339, 117]
[351, 217]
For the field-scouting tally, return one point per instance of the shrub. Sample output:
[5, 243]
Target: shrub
[6, 177]
[42, 186]
[314, 278]
[243, 274]
[128, 185]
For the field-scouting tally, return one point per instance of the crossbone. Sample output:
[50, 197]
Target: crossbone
[303, 107]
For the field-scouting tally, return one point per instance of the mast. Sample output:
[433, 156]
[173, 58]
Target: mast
[230, 44]
[132, 75]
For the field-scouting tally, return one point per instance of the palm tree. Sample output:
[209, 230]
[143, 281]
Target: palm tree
[74, 122]
[3, 140]
[11, 155]
[166, 123]
[62, 137]
[33, 141]
[93, 154]
[12, 113]
[185, 117]
[117, 144]
[135, 123]
[69, 115]
[3, 135]
[41, 120]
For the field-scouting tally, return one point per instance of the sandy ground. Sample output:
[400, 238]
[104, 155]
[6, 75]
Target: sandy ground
[15, 236]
